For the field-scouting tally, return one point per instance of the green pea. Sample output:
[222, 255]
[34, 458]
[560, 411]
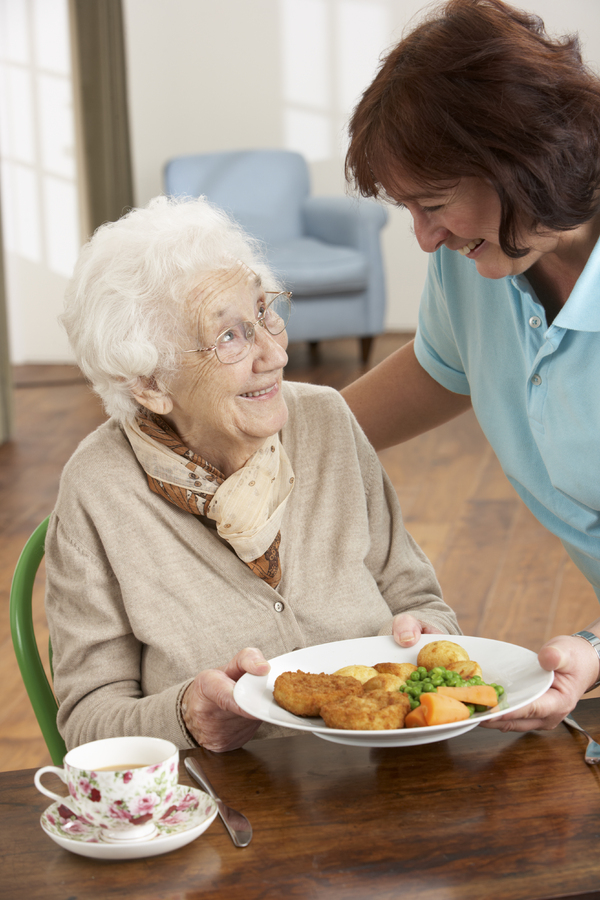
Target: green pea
[428, 687]
[422, 671]
[437, 680]
[414, 676]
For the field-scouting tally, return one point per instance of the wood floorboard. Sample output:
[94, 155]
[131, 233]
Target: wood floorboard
[504, 574]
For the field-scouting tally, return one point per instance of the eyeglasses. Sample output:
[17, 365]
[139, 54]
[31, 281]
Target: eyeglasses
[233, 344]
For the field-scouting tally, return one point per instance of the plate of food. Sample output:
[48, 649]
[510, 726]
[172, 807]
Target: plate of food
[370, 692]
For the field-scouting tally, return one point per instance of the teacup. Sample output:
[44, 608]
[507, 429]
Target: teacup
[121, 785]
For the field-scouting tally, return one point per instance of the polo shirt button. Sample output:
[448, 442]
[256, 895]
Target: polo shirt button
[536, 379]
[535, 321]
[279, 606]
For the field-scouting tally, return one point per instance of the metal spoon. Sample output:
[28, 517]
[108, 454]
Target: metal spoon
[592, 753]
[236, 824]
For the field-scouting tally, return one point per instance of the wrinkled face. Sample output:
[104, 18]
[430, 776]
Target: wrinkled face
[466, 218]
[226, 412]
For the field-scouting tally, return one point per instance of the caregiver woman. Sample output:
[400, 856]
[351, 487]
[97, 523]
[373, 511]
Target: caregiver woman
[488, 132]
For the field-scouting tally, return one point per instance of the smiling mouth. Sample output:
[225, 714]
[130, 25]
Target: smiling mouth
[251, 394]
[472, 245]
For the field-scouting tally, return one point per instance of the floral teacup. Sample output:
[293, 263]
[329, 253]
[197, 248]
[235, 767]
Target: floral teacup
[121, 785]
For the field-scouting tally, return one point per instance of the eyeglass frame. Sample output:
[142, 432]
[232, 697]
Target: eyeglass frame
[259, 321]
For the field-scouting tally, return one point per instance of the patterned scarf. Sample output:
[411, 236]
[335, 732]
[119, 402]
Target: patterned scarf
[247, 507]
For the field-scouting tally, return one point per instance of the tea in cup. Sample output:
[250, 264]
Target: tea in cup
[121, 785]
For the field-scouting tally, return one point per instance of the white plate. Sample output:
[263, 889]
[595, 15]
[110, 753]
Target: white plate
[515, 668]
[191, 813]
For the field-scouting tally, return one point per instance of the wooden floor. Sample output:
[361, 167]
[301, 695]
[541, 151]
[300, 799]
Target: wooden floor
[506, 577]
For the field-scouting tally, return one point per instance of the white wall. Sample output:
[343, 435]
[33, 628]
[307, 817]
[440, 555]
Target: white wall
[206, 75]
[228, 74]
[267, 73]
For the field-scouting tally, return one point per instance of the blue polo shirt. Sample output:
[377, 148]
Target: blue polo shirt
[535, 389]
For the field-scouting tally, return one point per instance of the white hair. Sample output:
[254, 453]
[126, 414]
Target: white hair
[124, 306]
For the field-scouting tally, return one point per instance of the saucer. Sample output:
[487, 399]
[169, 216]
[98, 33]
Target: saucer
[190, 813]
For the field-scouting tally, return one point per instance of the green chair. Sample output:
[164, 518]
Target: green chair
[34, 676]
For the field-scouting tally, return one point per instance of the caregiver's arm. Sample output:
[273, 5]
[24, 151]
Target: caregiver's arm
[398, 400]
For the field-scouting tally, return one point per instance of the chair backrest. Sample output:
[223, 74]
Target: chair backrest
[34, 676]
[262, 189]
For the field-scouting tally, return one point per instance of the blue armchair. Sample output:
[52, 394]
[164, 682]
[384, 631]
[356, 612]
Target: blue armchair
[326, 250]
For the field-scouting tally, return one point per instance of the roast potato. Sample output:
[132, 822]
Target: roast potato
[361, 673]
[440, 653]
[402, 670]
[466, 668]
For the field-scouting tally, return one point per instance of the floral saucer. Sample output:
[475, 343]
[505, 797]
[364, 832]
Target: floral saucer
[191, 812]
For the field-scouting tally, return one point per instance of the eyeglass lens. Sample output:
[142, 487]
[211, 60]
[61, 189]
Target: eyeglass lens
[234, 344]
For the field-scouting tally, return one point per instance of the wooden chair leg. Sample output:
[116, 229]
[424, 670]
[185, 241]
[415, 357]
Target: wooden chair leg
[366, 344]
[314, 351]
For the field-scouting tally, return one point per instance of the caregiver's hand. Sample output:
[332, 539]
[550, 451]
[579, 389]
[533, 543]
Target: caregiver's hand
[209, 711]
[575, 666]
[406, 630]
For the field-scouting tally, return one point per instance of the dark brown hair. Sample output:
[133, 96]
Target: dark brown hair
[479, 89]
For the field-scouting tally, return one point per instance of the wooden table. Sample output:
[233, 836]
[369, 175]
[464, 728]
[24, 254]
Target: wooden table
[484, 815]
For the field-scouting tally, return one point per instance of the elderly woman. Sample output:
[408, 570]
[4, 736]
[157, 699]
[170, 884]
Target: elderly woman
[488, 132]
[220, 516]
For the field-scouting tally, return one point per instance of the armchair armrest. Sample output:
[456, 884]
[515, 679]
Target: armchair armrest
[353, 222]
[345, 221]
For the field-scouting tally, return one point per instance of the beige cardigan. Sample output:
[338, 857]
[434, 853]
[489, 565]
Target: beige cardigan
[142, 596]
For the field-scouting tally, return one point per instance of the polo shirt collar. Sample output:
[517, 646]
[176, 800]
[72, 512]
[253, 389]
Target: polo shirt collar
[581, 312]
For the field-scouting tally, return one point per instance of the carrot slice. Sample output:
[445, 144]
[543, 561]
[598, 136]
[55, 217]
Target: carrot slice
[415, 718]
[479, 694]
[441, 710]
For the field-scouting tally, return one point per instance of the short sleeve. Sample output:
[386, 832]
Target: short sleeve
[436, 346]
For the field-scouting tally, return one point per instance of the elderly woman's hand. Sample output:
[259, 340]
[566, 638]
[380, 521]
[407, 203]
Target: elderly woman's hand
[210, 713]
[575, 669]
[406, 630]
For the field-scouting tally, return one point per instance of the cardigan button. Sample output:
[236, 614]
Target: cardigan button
[278, 606]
